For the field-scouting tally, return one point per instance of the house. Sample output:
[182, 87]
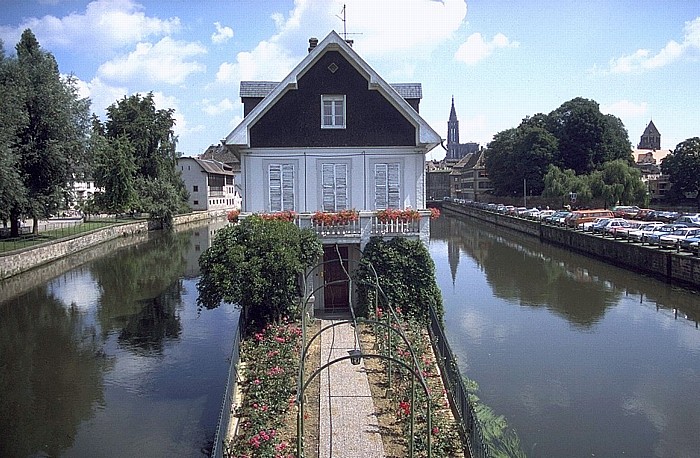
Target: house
[469, 178]
[334, 136]
[210, 184]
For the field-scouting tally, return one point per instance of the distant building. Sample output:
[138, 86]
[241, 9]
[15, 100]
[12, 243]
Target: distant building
[468, 178]
[437, 180]
[210, 184]
[651, 138]
[455, 149]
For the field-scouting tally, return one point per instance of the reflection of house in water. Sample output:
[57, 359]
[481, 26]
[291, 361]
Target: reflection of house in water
[200, 240]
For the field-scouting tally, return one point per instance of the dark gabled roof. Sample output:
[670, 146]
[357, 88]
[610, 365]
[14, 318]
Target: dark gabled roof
[426, 137]
[220, 153]
[651, 129]
[260, 89]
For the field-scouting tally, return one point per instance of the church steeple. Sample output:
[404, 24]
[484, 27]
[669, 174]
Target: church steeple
[453, 134]
[651, 138]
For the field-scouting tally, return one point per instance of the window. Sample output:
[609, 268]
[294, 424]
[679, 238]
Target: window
[195, 188]
[333, 112]
[196, 202]
[334, 184]
[387, 191]
[281, 178]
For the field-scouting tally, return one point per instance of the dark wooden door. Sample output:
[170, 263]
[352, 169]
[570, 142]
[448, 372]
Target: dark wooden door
[334, 268]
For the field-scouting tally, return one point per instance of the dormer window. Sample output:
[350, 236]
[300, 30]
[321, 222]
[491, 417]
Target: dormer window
[332, 112]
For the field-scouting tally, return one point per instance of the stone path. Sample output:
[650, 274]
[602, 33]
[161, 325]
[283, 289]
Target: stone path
[348, 426]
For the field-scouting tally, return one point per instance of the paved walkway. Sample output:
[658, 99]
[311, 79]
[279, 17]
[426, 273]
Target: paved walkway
[348, 425]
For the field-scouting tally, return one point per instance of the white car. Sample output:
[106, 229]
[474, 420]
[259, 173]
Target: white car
[672, 239]
[644, 230]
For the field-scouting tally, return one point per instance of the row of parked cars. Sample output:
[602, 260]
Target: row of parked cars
[653, 227]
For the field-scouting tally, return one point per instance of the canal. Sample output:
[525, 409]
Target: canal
[111, 357]
[580, 357]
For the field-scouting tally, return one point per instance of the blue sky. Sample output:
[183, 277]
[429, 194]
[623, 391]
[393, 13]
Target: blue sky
[502, 60]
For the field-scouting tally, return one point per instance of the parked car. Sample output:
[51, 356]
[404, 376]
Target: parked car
[673, 239]
[579, 217]
[624, 229]
[604, 227]
[689, 220]
[557, 218]
[653, 238]
[690, 243]
[643, 214]
[625, 211]
[644, 230]
[545, 213]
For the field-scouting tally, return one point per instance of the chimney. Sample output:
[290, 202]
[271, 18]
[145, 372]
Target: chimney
[313, 42]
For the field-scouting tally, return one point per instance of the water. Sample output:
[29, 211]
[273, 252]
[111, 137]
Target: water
[112, 358]
[582, 358]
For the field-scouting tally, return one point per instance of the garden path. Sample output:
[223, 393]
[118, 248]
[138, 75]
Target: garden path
[348, 424]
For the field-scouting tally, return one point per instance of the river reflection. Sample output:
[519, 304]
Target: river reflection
[112, 358]
[581, 357]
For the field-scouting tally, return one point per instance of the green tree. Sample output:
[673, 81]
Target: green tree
[12, 116]
[257, 265]
[586, 137]
[683, 168]
[149, 134]
[114, 173]
[618, 183]
[406, 275]
[561, 183]
[53, 136]
[500, 161]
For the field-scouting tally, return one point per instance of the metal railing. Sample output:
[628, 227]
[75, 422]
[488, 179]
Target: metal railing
[222, 427]
[454, 386]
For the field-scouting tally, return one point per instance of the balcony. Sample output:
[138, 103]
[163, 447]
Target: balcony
[365, 225]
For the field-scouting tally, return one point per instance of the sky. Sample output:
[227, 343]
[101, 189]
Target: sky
[500, 60]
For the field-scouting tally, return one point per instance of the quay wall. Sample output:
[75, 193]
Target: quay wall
[682, 268]
[18, 261]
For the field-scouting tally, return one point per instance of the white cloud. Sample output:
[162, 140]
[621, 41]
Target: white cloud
[268, 61]
[625, 109]
[215, 109]
[476, 48]
[643, 59]
[105, 25]
[101, 95]
[222, 34]
[166, 61]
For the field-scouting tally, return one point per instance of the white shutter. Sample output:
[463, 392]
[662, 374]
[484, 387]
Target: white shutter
[393, 186]
[275, 172]
[334, 184]
[380, 197]
[281, 187]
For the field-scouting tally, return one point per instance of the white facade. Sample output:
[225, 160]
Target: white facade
[360, 175]
[211, 184]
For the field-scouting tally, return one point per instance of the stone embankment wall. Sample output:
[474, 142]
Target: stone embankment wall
[19, 261]
[682, 268]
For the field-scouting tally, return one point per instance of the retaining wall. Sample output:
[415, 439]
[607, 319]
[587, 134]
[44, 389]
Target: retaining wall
[682, 268]
[19, 261]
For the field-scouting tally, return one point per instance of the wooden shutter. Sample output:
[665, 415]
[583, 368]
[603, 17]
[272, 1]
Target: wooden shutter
[281, 187]
[393, 186]
[380, 197]
[387, 186]
[334, 184]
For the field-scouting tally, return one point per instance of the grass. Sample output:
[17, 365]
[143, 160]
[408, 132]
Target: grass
[52, 235]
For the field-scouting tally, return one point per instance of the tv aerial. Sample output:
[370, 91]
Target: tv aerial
[345, 30]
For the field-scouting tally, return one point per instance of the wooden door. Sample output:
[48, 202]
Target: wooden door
[335, 268]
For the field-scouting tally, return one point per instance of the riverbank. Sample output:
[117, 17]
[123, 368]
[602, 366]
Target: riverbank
[669, 265]
[23, 260]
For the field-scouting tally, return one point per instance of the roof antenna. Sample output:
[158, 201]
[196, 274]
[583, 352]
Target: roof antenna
[345, 30]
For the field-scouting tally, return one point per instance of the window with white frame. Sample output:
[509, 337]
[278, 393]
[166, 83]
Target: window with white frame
[387, 186]
[333, 112]
[281, 187]
[334, 187]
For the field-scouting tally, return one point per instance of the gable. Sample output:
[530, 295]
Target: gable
[294, 120]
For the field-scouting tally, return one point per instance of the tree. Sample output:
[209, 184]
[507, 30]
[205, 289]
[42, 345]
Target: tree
[12, 116]
[52, 136]
[618, 183]
[586, 137]
[499, 161]
[257, 265]
[562, 183]
[114, 173]
[406, 275]
[148, 132]
[683, 168]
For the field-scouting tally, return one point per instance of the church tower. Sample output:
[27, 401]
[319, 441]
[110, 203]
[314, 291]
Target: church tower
[651, 138]
[453, 135]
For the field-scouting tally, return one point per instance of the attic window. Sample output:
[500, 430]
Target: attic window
[332, 112]
[333, 67]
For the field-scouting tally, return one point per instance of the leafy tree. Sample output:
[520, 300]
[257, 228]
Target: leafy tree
[618, 183]
[499, 161]
[586, 137]
[406, 275]
[148, 132]
[12, 116]
[114, 173]
[561, 183]
[683, 168]
[257, 265]
[52, 135]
